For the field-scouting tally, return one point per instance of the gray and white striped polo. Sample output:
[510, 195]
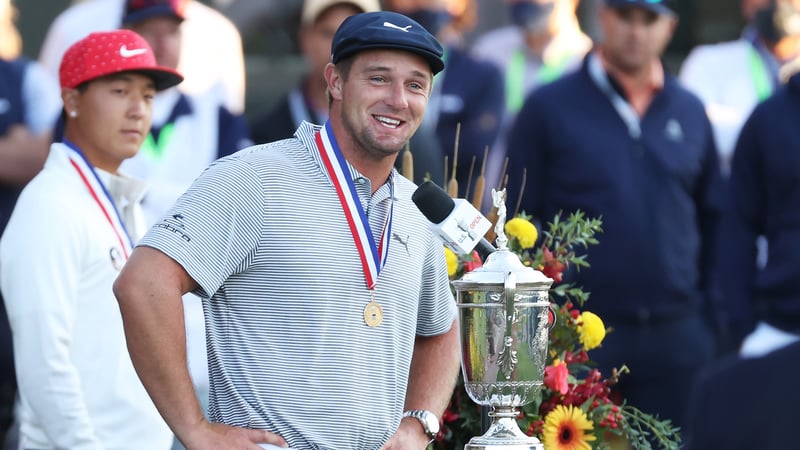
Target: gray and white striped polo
[264, 235]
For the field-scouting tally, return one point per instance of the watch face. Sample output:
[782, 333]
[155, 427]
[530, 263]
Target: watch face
[432, 423]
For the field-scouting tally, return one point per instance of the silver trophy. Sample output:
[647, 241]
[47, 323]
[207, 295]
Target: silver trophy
[504, 316]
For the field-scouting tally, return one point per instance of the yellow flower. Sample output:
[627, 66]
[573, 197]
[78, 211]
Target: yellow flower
[592, 330]
[452, 262]
[523, 230]
[565, 428]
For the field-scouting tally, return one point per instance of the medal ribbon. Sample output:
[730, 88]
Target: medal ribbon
[100, 195]
[373, 257]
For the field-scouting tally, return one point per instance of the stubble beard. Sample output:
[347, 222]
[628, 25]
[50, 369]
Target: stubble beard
[366, 142]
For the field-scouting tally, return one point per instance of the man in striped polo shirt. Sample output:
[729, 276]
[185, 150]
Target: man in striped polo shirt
[329, 316]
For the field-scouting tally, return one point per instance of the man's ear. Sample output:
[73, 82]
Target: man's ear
[71, 99]
[334, 80]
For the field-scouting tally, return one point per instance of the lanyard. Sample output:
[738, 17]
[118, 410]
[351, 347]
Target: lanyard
[623, 108]
[153, 148]
[515, 76]
[373, 257]
[759, 73]
[100, 195]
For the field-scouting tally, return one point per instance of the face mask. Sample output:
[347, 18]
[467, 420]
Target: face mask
[431, 20]
[532, 17]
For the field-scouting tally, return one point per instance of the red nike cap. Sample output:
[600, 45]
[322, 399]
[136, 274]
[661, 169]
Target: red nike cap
[109, 52]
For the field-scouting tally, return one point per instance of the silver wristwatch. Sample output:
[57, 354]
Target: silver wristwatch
[429, 421]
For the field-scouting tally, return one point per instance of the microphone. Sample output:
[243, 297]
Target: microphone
[457, 222]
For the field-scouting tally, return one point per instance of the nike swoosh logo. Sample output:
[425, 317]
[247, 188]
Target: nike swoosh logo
[391, 25]
[127, 53]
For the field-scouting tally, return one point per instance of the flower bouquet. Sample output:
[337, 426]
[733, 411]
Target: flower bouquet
[574, 410]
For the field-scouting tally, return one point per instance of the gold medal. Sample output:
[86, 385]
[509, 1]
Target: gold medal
[373, 314]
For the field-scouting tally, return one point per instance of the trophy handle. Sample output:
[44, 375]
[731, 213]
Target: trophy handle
[510, 287]
[507, 359]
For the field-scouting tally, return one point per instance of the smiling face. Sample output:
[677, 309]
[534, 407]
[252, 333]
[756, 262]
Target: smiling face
[379, 102]
[112, 117]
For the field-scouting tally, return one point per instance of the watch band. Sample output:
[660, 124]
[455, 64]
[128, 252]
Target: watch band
[428, 420]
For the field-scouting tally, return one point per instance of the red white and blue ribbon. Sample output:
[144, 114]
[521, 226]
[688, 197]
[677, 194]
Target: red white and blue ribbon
[373, 257]
[100, 195]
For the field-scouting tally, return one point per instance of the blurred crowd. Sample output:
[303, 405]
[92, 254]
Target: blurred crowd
[694, 173]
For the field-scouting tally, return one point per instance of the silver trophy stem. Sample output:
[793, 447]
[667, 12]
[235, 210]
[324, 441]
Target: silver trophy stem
[504, 433]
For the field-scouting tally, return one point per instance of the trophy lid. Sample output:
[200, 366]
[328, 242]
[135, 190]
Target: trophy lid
[496, 268]
[502, 262]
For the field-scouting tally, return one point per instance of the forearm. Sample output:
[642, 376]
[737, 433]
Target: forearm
[434, 370]
[152, 313]
[21, 156]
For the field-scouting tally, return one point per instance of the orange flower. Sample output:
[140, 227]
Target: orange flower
[565, 428]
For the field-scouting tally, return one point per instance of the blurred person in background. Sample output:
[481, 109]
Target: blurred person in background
[212, 58]
[543, 43]
[469, 92]
[762, 297]
[731, 78]
[29, 108]
[623, 140]
[308, 100]
[189, 132]
[71, 232]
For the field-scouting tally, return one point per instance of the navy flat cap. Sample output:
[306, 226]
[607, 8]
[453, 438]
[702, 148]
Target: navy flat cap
[386, 29]
[657, 6]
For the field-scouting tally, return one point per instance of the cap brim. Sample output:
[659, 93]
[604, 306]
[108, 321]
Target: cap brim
[656, 8]
[434, 61]
[148, 13]
[163, 78]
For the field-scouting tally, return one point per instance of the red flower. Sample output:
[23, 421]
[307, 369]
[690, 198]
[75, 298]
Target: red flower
[535, 428]
[553, 268]
[449, 415]
[555, 378]
[474, 262]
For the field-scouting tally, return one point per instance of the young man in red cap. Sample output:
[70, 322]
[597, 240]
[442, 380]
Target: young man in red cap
[330, 318]
[70, 233]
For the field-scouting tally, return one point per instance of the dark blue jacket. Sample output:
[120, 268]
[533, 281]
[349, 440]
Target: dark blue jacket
[745, 404]
[765, 200]
[12, 112]
[658, 195]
